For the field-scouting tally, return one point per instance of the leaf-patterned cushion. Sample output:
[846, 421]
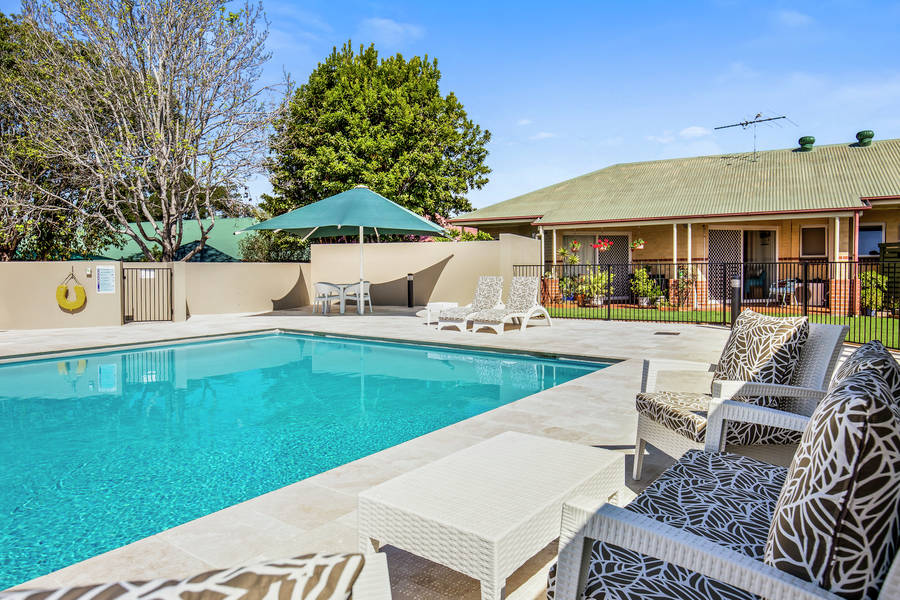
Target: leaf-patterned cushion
[837, 522]
[725, 498]
[523, 293]
[872, 356]
[487, 295]
[686, 414]
[762, 349]
[308, 577]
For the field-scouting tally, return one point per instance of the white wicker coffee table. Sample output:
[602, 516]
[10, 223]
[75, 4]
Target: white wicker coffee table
[485, 510]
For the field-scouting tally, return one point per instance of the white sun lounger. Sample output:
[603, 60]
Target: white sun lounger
[521, 307]
[487, 295]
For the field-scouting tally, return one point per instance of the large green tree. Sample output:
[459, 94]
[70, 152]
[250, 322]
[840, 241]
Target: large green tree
[38, 192]
[379, 122]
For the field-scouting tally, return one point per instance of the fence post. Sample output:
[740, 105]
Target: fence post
[608, 292]
[806, 289]
[735, 299]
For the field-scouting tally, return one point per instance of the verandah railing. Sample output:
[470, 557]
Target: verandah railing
[864, 295]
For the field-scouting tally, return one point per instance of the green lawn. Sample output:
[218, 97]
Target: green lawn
[640, 314]
[862, 329]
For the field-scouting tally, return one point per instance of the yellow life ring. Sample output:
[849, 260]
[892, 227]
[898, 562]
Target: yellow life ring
[62, 297]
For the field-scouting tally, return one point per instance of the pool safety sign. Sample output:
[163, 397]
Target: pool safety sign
[106, 280]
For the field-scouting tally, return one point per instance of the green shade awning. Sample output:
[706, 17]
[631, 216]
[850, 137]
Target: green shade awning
[343, 214]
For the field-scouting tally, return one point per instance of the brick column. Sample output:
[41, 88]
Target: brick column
[843, 297]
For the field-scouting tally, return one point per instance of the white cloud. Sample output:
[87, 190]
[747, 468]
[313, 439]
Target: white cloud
[388, 32]
[289, 14]
[609, 141]
[738, 71]
[666, 138]
[522, 122]
[694, 131]
[792, 18]
[542, 135]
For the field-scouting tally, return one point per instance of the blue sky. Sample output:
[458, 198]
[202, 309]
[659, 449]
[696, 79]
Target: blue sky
[569, 87]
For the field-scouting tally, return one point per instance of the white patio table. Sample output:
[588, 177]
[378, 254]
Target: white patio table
[485, 510]
[342, 289]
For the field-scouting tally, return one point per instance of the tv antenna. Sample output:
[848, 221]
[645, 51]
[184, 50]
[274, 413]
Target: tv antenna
[754, 123]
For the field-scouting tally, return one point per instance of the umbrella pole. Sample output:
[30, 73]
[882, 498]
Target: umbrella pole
[360, 301]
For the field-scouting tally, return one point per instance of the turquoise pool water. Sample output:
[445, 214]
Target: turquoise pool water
[100, 450]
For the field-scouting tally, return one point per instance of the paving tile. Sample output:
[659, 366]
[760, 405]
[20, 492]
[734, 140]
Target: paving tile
[149, 558]
[233, 536]
[304, 505]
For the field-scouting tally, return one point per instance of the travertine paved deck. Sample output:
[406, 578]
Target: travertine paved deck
[318, 514]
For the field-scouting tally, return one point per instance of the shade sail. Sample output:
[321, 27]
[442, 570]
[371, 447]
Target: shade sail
[343, 214]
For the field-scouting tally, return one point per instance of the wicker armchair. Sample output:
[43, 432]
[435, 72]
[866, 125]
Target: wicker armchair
[585, 520]
[812, 374]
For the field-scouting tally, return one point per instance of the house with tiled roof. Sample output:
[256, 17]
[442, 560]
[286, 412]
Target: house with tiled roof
[811, 203]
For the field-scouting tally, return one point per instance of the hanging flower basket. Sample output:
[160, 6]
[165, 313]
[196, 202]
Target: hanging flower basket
[602, 245]
[637, 244]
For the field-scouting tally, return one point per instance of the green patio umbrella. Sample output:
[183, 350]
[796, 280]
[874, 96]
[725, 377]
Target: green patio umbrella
[359, 211]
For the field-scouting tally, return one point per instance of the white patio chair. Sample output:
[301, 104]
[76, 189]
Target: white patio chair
[326, 293]
[687, 411]
[521, 306]
[487, 296]
[351, 294]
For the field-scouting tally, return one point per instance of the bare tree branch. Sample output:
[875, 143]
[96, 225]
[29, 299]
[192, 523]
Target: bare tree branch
[156, 103]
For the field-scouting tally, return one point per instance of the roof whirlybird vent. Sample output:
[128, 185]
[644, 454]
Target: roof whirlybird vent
[806, 143]
[864, 137]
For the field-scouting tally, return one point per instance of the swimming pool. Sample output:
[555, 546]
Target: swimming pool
[103, 449]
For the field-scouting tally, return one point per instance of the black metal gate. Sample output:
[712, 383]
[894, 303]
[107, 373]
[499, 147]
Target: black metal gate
[147, 293]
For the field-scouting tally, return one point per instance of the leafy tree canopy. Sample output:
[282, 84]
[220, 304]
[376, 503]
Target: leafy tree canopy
[378, 122]
[39, 191]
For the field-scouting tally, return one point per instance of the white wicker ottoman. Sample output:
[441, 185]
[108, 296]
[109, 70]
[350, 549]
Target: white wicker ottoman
[485, 510]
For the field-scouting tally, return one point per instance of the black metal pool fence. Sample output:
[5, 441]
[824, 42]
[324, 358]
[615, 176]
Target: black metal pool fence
[863, 295]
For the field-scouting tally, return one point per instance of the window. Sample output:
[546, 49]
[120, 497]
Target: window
[869, 238]
[813, 241]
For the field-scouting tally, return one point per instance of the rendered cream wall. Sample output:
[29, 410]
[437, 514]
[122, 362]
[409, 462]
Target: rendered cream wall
[443, 271]
[218, 288]
[28, 296]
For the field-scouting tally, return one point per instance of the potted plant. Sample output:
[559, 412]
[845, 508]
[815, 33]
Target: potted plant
[644, 287]
[595, 286]
[684, 285]
[872, 287]
[568, 286]
[569, 256]
[637, 244]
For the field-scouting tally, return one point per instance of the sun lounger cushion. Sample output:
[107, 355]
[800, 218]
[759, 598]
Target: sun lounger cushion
[726, 498]
[837, 522]
[686, 414]
[487, 295]
[523, 293]
[872, 356]
[313, 577]
[493, 315]
[762, 349]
